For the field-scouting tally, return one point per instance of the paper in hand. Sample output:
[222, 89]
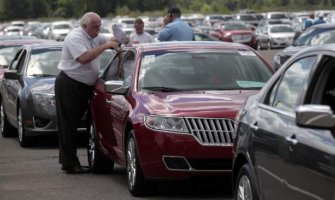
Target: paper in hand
[119, 35]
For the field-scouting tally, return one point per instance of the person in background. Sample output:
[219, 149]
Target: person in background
[320, 20]
[309, 22]
[79, 66]
[139, 35]
[174, 29]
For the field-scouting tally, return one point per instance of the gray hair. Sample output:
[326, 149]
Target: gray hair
[87, 18]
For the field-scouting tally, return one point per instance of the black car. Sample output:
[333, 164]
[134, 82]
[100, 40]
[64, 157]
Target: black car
[284, 145]
[303, 41]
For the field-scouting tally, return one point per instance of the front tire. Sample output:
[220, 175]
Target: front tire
[137, 183]
[245, 188]
[97, 162]
[22, 137]
[5, 128]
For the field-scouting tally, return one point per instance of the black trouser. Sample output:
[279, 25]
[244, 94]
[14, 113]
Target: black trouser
[72, 99]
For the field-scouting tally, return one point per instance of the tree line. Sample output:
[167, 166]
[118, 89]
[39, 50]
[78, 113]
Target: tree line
[35, 9]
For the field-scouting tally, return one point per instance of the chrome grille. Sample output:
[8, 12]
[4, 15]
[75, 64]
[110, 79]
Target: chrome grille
[211, 131]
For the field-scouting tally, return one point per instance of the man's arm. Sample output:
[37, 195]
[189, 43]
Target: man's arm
[91, 54]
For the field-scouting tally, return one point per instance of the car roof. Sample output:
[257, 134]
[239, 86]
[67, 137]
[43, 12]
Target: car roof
[20, 42]
[191, 45]
[48, 44]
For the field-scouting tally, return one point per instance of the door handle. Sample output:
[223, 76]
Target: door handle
[291, 140]
[108, 101]
[254, 127]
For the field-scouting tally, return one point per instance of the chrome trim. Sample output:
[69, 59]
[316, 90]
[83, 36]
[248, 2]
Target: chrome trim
[211, 131]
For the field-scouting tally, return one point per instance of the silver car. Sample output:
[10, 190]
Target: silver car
[275, 36]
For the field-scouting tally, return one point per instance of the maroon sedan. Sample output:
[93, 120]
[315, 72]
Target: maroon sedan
[235, 32]
[167, 110]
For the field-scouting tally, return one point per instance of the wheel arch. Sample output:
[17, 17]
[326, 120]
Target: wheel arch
[239, 161]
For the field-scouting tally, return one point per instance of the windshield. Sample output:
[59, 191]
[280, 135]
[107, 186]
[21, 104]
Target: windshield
[231, 27]
[278, 16]
[281, 29]
[175, 71]
[305, 38]
[44, 62]
[323, 38]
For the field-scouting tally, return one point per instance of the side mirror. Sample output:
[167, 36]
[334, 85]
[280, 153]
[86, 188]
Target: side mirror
[315, 116]
[12, 75]
[116, 87]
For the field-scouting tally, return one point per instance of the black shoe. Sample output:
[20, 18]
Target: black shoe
[78, 170]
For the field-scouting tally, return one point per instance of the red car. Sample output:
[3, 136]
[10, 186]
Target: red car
[166, 110]
[235, 32]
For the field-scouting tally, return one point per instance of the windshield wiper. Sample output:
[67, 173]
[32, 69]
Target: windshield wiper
[162, 89]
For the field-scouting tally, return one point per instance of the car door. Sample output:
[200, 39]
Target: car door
[311, 156]
[101, 109]
[272, 129]
[118, 104]
[12, 87]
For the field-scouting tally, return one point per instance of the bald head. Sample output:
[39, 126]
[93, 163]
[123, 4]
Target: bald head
[89, 17]
[91, 23]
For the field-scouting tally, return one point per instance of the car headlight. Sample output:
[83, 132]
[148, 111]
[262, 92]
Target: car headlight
[163, 123]
[44, 99]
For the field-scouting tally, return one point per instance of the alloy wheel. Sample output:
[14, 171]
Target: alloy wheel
[2, 118]
[244, 189]
[91, 146]
[20, 125]
[131, 162]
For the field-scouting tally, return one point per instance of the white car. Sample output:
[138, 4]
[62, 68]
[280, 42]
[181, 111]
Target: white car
[58, 30]
[275, 36]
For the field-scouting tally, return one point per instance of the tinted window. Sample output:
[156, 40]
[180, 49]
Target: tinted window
[285, 94]
[203, 70]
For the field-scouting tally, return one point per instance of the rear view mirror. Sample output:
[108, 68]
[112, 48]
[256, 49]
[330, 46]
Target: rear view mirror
[315, 116]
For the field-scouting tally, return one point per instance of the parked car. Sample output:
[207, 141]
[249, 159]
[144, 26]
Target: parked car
[9, 47]
[284, 145]
[59, 29]
[27, 96]
[237, 32]
[303, 41]
[166, 110]
[275, 36]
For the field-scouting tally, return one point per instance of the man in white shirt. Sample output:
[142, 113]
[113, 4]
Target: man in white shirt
[140, 36]
[74, 85]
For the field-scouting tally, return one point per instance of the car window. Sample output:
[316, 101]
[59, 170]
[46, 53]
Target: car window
[286, 91]
[322, 86]
[230, 70]
[20, 61]
[112, 69]
[44, 62]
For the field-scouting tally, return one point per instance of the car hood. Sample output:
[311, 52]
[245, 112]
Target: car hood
[281, 35]
[42, 85]
[200, 103]
[290, 50]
